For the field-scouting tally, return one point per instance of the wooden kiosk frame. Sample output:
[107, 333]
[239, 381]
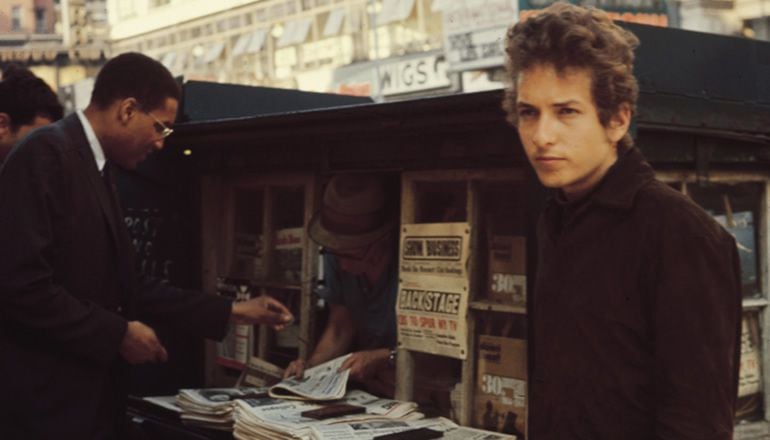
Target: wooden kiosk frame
[696, 131]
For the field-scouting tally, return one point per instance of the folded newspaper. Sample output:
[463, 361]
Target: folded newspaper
[322, 382]
[213, 407]
[268, 418]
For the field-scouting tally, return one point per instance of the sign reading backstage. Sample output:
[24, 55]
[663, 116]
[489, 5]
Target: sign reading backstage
[475, 32]
[433, 289]
[413, 75]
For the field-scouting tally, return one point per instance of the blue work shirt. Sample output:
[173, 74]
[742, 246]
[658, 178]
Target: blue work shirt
[373, 309]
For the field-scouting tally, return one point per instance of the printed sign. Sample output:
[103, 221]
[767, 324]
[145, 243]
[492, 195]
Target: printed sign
[475, 31]
[413, 75]
[649, 12]
[433, 289]
[425, 252]
[750, 376]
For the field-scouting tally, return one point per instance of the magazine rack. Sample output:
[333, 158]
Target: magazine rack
[253, 233]
[494, 203]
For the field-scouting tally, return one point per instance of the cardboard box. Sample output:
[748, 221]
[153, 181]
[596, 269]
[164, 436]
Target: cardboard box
[507, 282]
[500, 398]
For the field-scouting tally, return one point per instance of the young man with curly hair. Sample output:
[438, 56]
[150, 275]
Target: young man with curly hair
[636, 310]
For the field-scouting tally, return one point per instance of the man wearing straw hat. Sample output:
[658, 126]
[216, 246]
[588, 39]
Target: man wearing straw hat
[356, 227]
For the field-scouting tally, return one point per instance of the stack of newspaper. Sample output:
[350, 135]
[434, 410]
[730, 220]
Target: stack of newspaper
[370, 430]
[276, 413]
[213, 407]
[269, 418]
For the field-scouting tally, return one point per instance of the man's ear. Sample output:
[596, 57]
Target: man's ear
[127, 109]
[619, 123]
[5, 125]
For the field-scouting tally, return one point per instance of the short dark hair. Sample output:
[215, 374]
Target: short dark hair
[24, 96]
[133, 75]
[568, 36]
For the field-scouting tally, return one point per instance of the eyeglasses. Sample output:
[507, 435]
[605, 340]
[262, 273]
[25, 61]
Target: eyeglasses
[163, 130]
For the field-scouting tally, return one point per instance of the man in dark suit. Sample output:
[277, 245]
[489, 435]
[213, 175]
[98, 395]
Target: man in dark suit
[73, 314]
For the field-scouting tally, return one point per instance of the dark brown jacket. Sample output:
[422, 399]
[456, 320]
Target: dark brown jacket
[635, 316]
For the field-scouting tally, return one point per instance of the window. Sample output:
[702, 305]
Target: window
[16, 18]
[263, 249]
[40, 22]
[737, 208]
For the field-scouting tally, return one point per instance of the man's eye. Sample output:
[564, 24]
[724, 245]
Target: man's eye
[527, 112]
[567, 111]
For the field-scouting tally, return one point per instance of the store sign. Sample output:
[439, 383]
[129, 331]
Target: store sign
[413, 75]
[339, 50]
[476, 50]
[649, 12]
[475, 32]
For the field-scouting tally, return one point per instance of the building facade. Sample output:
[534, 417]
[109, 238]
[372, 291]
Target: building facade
[27, 17]
[63, 42]
[282, 43]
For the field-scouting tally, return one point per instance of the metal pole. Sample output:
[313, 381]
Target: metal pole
[376, 93]
[65, 23]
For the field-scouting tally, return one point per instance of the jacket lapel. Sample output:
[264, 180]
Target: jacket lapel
[74, 129]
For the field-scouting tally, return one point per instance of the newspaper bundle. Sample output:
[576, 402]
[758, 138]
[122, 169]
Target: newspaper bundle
[213, 407]
[369, 430]
[269, 418]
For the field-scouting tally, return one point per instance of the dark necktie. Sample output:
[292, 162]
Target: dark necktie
[106, 176]
[108, 173]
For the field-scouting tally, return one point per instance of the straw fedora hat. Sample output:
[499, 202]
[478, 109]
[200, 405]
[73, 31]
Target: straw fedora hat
[353, 214]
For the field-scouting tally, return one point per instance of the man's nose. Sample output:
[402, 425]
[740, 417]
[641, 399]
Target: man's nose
[545, 132]
[158, 144]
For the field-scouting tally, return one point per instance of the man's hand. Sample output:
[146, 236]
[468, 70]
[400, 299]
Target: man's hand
[140, 344]
[365, 364]
[296, 369]
[262, 310]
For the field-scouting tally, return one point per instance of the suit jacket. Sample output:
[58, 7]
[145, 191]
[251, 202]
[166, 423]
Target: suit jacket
[67, 290]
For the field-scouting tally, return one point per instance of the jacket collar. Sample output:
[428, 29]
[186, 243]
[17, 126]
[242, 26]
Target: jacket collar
[619, 187]
[616, 190]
